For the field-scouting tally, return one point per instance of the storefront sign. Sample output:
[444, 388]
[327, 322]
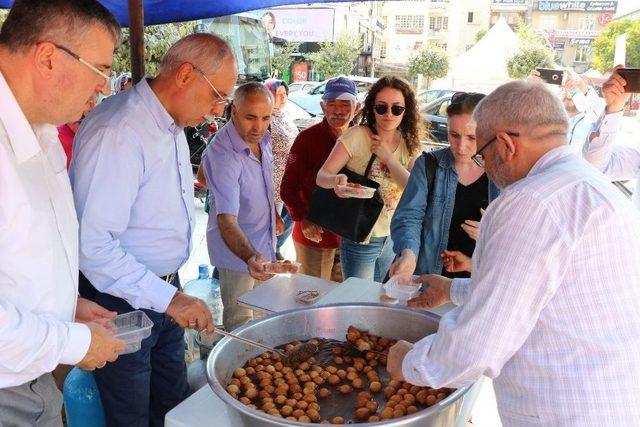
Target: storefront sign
[302, 24]
[577, 6]
[580, 42]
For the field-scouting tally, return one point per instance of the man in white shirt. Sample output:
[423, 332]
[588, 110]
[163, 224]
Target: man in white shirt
[550, 311]
[618, 162]
[54, 57]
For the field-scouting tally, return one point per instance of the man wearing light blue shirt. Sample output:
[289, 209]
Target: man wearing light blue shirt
[133, 187]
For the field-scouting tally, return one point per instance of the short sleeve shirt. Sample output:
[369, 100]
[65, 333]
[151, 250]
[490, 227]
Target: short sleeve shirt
[357, 141]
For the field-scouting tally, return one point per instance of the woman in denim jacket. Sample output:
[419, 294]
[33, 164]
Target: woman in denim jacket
[434, 231]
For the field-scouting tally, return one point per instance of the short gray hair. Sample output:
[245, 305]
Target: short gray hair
[59, 21]
[519, 104]
[249, 89]
[205, 51]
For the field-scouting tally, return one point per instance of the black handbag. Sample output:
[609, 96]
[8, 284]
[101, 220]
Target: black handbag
[350, 218]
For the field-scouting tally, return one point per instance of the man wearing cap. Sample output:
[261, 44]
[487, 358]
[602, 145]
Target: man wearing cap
[315, 246]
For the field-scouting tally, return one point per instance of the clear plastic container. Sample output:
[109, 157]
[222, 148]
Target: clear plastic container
[282, 267]
[132, 328]
[402, 287]
[361, 192]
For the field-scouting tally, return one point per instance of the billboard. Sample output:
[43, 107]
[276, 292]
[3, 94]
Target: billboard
[299, 25]
[577, 6]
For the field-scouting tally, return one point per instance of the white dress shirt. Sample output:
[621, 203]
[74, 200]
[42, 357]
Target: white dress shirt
[38, 251]
[618, 162]
[551, 308]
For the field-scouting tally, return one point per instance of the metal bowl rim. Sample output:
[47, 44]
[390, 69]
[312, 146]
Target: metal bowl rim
[219, 390]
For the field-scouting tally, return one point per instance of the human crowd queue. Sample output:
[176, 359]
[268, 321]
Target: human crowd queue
[516, 222]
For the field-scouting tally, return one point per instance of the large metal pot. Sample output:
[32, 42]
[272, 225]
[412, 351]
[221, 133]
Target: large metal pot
[328, 322]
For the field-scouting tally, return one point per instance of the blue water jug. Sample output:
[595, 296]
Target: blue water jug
[82, 404]
[208, 290]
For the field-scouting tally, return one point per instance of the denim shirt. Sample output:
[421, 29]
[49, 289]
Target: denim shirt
[425, 229]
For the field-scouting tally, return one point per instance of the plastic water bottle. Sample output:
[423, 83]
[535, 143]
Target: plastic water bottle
[82, 404]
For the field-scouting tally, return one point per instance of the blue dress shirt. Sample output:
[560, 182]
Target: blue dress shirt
[133, 188]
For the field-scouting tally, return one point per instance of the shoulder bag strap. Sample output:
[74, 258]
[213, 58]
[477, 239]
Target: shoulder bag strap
[430, 165]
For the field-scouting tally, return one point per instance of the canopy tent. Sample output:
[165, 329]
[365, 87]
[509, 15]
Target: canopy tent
[138, 13]
[484, 66]
[165, 11]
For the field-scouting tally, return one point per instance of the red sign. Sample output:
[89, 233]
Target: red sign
[605, 18]
[300, 72]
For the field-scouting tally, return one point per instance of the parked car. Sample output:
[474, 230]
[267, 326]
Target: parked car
[434, 115]
[427, 96]
[301, 117]
[310, 101]
[302, 86]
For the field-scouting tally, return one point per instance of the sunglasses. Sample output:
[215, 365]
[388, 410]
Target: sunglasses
[460, 97]
[382, 109]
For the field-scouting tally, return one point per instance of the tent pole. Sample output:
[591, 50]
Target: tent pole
[136, 34]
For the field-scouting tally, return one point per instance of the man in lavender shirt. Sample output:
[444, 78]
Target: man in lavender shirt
[241, 233]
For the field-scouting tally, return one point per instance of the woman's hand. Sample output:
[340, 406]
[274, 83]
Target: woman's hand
[380, 149]
[340, 180]
[456, 261]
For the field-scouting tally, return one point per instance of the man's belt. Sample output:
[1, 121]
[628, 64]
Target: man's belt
[169, 277]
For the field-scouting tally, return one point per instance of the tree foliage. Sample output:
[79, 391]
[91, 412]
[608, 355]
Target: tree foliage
[3, 16]
[430, 62]
[338, 58]
[157, 40]
[480, 34]
[532, 53]
[282, 56]
[604, 46]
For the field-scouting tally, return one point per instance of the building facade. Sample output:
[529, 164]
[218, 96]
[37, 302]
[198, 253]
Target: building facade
[571, 27]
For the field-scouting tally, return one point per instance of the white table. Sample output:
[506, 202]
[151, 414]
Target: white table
[278, 294]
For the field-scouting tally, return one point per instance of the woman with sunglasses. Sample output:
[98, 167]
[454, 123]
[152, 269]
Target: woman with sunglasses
[435, 233]
[390, 129]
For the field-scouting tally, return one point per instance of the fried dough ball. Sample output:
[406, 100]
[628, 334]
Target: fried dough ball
[357, 383]
[304, 419]
[345, 388]
[411, 410]
[337, 420]
[313, 415]
[375, 386]
[373, 419]
[386, 414]
[333, 379]
[362, 414]
[324, 393]
[389, 391]
[342, 374]
[233, 389]
[298, 413]
[286, 410]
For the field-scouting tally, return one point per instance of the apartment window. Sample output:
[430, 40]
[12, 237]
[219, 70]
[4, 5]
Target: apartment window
[547, 22]
[470, 17]
[588, 23]
[583, 54]
[409, 24]
[437, 23]
[383, 50]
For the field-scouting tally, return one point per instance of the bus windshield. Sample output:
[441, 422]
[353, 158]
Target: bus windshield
[250, 43]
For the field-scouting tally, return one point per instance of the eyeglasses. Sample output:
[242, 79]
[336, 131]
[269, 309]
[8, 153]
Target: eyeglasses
[478, 158]
[459, 97]
[382, 109]
[222, 100]
[83, 62]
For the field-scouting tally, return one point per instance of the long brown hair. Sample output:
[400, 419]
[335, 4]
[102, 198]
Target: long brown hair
[411, 127]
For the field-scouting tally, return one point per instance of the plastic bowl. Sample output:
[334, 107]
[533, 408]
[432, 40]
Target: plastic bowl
[359, 192]
[132, 328]
[281, 267]
[402, 288]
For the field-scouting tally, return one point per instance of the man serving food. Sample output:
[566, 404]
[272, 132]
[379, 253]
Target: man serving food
[550, 311]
